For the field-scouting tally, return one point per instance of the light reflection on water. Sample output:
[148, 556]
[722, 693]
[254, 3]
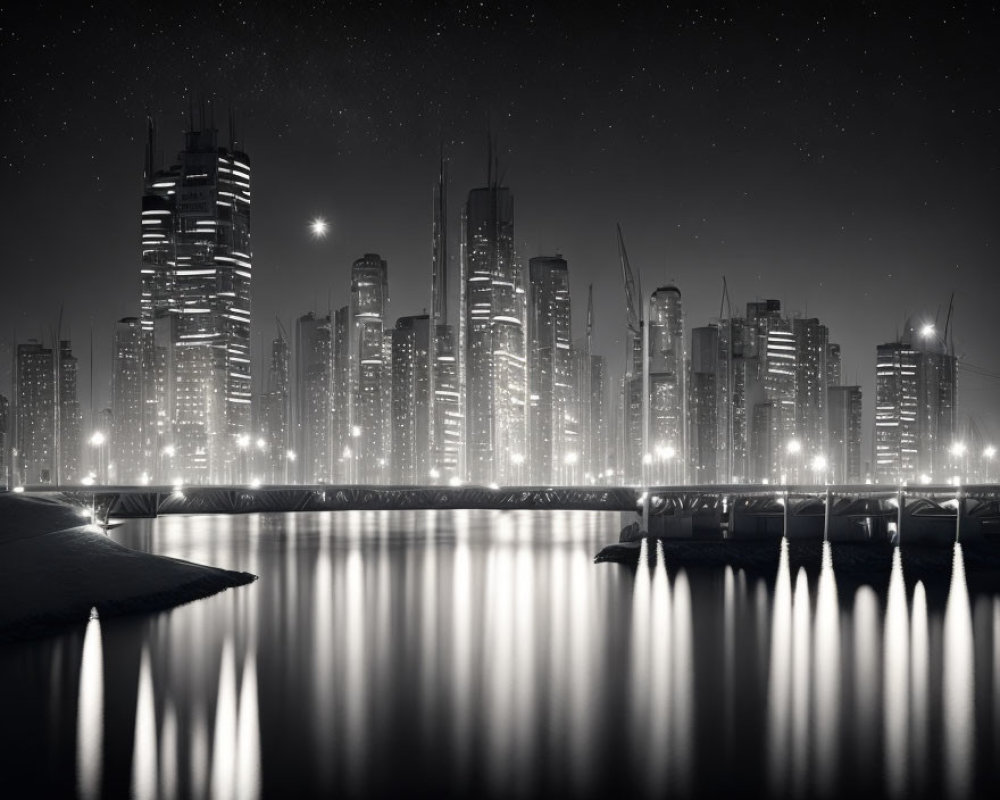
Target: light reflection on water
[483, 653]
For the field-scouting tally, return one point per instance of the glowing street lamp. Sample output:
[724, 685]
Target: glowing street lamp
[98, 439]
[517, 459]
[289, 459]
[819, 465]
[927, 330]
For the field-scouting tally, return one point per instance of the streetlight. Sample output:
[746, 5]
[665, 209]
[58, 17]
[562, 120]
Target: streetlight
[243, 442]
[289, 459]
[571, 459]
[819, 465]
[958, 451]
[517, 459]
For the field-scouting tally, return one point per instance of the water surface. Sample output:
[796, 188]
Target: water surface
[484, 653]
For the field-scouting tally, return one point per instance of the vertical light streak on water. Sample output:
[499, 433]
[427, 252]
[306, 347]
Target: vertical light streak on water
[801, 678]
[499, 660]
[729, 660]
[355, 684]
[199, 754]
[430, 647]
[682, 736]
[996, 675]
[958, 684]
[558, 614]
[248, 734]
[224, 741]
[895, 682]
[168, 752]
[145, 779]
[323, 677]
[826, 677]
[639, 656]
[526, 677]
[381, 638]
[865, 674]
[90, 713]
[919, 685]
[586, 678]
[461, 654]
[660, 632]
[779, 677]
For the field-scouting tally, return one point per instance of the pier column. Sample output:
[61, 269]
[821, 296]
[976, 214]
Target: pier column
[826, 517]
[959, 503]
[900, 503]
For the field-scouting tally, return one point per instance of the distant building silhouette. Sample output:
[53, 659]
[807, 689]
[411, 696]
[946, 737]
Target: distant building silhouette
[844, 434]
[128, 405]
[411, 400]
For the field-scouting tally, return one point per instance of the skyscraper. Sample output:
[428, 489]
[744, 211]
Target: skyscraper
[667, 386]
[492, 337]
[341, 441]
[313, 417]
[127, 447]
[5, 476]
[69, 420]
[938, 409]
[811, 378]
[34, 392]
[897, 399]
[195, 304]
[369, 294]
[275, 415]
[553, 448]
[411, 406]
[447, 444]
[844, 434]
[706, 380]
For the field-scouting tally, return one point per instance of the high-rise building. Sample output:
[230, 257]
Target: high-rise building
[410, 424]
[312, 418]
[369, 294]
[706, 376]
[447, 448]
[195, 304]
[938, 410]
[667, 386]
[844, 434]
[492, 337]
[341, 442]
[811, 378]
[553, 447]
[127, 446]
[70, 418]
[897, 402]
[34, 393]
[275, 416]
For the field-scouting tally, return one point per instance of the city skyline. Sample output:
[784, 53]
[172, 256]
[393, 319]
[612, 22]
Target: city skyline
[869, 226]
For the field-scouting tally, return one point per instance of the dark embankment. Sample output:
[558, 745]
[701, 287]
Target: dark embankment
[54, 568]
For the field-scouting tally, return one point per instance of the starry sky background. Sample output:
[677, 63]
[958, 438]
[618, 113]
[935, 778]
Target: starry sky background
[841, 157]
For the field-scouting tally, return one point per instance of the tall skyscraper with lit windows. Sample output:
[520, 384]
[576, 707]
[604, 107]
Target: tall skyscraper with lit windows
[195, 304]
[493, 338]
[370, 371]
[667, 386]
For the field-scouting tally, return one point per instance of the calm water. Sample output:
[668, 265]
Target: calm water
[484, 653]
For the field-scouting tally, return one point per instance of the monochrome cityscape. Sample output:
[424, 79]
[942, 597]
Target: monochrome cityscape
[493, 390]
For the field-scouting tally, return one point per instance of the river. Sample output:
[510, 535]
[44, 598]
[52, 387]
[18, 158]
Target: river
[483, 653]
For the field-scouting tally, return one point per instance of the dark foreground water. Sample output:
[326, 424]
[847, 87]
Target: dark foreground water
[484, 654]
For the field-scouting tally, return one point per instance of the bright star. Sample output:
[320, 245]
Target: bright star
[319, 228]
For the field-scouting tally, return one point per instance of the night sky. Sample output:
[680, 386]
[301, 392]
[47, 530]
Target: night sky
[840, 157]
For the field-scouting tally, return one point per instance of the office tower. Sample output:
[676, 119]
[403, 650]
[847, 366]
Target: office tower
[195, 304]
[731, 406]
[764, 442]
[492, 337]
[275, 416]
[5, 476]
[127, 404]
[446, 409]
[667, 387]
[833, 365]
[844, 434]
[369, 294]
[384, 459]
[630, 453]
[410, 424]
[937, 422]
[707, 376]
[553, 454]
[34, 393]
[341, 441]
[769, 361]
[69, 419]
[897, 402]
[312, 418]
[811, 377]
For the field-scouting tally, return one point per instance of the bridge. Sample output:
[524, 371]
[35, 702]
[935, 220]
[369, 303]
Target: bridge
[932, 513]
